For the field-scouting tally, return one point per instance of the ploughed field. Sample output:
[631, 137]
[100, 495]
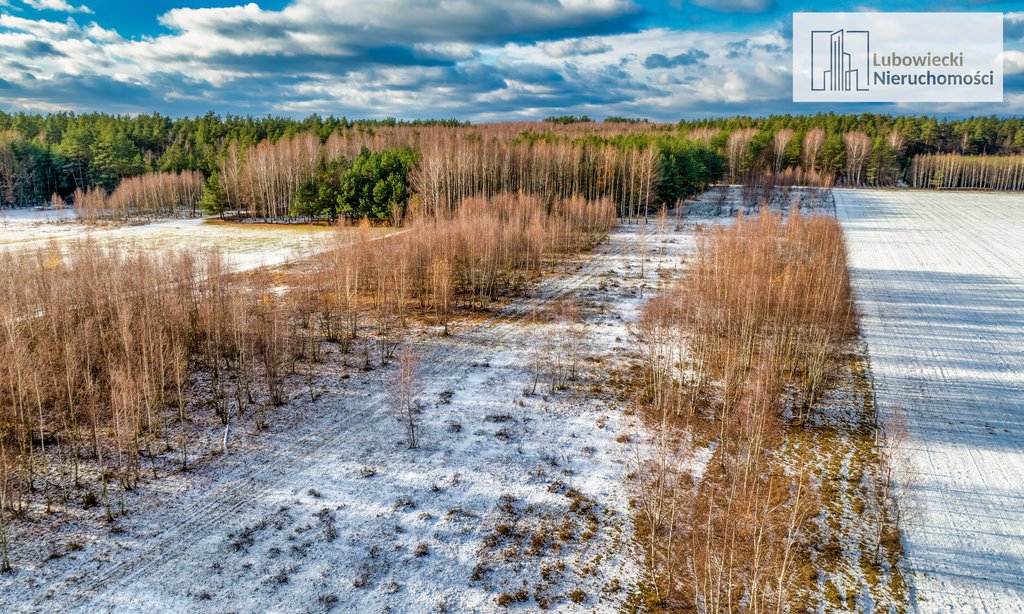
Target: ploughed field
[939, 280]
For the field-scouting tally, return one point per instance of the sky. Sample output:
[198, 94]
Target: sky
[477, 60]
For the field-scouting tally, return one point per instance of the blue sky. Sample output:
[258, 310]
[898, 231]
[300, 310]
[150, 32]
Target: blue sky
[481, 60]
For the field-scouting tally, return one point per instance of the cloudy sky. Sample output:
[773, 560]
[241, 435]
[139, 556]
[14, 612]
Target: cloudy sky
[479, 60]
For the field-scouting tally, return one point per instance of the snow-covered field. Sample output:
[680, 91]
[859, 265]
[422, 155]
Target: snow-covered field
[515, 494]
[245, 246]
[939, 278]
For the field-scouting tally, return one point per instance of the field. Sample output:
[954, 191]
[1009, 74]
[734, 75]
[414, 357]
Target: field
[939, 278]
[245, 246]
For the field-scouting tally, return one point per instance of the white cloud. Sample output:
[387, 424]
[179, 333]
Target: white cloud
[343, 56]
[57, 5]
[575, 46]
[1013, 62]
[473, 59]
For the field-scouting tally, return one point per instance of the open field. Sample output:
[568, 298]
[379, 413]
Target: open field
[939, 278]
[245, 245]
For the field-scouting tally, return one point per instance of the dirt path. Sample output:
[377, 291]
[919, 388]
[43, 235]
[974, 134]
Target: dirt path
[331, 513]
[939, 278]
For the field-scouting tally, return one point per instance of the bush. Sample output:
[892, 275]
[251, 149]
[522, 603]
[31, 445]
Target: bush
[507, 599]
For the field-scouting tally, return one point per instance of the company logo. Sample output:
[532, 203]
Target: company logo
[839, 60]
[897, 57]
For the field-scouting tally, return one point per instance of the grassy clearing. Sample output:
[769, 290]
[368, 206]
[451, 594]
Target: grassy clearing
[302, 226]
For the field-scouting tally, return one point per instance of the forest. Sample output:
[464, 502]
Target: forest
[325, 168]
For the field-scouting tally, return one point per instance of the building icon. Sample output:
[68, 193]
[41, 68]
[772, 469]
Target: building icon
[839, 60]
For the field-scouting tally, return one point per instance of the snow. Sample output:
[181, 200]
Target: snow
[327, 508]
[939, 278]
[245, 245]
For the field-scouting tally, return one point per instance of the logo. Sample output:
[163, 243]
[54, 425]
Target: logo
[897, 57]
[839, 60]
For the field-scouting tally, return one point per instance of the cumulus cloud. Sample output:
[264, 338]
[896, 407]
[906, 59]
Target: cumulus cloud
[57, 5]
[575, 46]
[690, 57]
[736, 6]
[1013, 62]
[747, 47]
[481, 60]
[557, 59]
[357, 21]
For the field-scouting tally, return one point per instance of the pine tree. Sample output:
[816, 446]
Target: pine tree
[214, 200]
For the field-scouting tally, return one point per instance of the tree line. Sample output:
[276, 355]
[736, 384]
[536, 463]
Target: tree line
[854, 150]
[257, 165]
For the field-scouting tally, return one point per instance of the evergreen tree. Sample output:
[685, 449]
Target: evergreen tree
[214, 200]
[377, 183]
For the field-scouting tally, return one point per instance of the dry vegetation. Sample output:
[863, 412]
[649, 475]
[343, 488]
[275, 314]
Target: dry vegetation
[454, 164]
[736, 362]
[968, 172]
[109, 355]
[144, 197]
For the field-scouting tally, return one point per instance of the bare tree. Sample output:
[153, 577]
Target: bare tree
[895, 475]
[441, 287]
[403, 389]
[779, 145]
[735, 148]
[858, 148]
[814, 140]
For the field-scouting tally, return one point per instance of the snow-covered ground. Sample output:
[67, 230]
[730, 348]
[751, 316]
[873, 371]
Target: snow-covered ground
[939, 278]
[245, 246]
[515, 494]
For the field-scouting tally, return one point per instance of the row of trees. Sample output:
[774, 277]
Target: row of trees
[357, 175]
[954, 171]
[259, 164]
[636, 167]
[825, 150]
[988, 135]
[150, 196]
[814, 157]
[735, 358]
